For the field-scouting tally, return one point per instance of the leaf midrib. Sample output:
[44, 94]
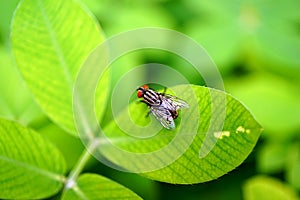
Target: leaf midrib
[33, 168]
[59, 52]
[56, 45]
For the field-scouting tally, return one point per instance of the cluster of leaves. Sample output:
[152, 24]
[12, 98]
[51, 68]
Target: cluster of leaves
[51, 40]
[255, 44]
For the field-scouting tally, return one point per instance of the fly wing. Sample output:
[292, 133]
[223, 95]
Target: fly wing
[174, 103]
[164, 116]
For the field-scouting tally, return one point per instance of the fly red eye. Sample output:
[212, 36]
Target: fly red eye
[146, 87]
[140, 93]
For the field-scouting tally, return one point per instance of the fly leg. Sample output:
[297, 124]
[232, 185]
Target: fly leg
[143, 101]
[164, 91]
[148, 113]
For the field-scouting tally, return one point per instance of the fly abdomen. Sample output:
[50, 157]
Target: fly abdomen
[174, 113]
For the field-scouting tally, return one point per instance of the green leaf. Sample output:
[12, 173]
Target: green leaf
[143, 186]
[284, 57]
[293, 165]
[6, 11]
[50, 41]
[71, 147]
[129, 15]
[263, 187]
[276, 103]
[209, 36]
[30, 166]
[92, 186]
[178, 152]
[272, 157]
[254, 33]
[16, 103]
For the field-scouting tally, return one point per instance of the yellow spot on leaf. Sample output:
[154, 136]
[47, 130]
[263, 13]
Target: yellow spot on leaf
[240, 129]
[221, 134]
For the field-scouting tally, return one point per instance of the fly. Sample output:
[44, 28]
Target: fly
[164, 107]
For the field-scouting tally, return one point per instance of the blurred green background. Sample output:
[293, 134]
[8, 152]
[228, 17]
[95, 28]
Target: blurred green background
[256, 46]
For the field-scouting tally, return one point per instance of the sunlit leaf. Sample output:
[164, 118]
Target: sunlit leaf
[263, 187]
[50, 41]
[71, 147]
[16, 103]
[234, 141]
[30, 166]
[92, 186]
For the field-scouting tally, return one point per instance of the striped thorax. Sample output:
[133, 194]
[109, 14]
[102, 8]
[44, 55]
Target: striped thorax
[163, 107]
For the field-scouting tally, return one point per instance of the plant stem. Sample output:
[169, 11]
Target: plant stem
[86, 154]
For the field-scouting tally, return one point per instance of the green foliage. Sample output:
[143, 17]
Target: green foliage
[129, 15]
[272, 157]
[263, 187]
[256, 43]
[17, 105]
[92, 186]
[50, 51]
[6, 11]
[293, 165]
[255, 33]
[71, 147]
[276, 104]
[235, 140]
[30, 166]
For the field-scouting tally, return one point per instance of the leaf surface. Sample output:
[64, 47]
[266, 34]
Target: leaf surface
[92, 186]
[50, 41]
[263, 187]
[30, 166]
[203, 147]
[16, 102]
